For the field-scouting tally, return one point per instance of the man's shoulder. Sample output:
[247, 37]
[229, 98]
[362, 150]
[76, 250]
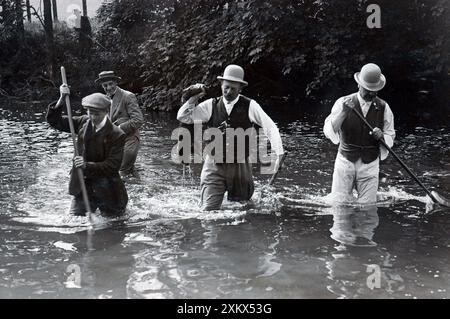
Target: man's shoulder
[380, 100]
[247, 99]
[209, 101]
[351, 95]
[126, 93]
[82, 121]
[82, 118]
[117, 132]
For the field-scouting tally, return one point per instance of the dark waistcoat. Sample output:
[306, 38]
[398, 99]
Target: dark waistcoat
[356, 142]
[238, 118]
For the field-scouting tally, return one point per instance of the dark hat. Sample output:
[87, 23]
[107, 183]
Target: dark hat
[107, 76]
[97, 101]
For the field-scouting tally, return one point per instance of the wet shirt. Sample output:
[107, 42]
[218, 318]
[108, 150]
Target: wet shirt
[190, 113]
[388, 125]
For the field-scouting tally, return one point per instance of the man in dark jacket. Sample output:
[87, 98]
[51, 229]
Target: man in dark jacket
[100, 144]
[126, 114]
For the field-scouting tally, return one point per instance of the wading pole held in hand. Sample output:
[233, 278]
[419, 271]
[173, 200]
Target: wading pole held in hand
[432, 196]
[79, 170]
[272, 179]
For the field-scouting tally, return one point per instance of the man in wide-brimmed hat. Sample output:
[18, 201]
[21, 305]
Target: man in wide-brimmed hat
[230, 170]
[357, 162]
[100, 144]
[126, 114]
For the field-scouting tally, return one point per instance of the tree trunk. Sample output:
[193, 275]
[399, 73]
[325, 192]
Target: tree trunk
[55, 11]
[48, 26]
[19, 18]
[28, 11]
[84, 8]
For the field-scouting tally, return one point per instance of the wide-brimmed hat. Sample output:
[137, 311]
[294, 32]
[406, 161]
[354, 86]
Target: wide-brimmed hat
[105, 76]
[370, 77]
[97, 101]
[233, 73]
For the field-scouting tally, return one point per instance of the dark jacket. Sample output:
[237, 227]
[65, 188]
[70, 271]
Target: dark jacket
[102, 152]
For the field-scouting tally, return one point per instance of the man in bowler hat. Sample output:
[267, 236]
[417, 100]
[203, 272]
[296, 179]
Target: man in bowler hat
[230, 171]
[357, 163]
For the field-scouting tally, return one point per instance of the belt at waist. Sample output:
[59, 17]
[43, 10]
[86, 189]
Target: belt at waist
[346, 147]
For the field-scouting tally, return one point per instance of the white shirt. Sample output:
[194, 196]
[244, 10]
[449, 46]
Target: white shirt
[189, 113]
[388, 124]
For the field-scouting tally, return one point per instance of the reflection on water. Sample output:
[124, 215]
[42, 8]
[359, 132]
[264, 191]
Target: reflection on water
[354, 226]
[287, 243]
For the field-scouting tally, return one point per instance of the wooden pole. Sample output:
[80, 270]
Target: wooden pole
[397, 158]
[74, 140]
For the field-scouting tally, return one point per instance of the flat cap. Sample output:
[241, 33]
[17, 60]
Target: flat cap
[97, 101]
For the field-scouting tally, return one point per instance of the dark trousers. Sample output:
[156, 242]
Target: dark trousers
[130, 152]
[216, 179]
[78, 208]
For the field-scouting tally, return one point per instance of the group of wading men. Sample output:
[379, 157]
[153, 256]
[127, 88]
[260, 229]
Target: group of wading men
[108, 140]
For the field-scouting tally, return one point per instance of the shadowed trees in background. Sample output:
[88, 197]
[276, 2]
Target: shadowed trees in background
[301, 52]
[295, 49]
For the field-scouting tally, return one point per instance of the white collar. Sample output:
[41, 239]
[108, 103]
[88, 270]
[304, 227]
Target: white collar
[232, 103]
[102, 123]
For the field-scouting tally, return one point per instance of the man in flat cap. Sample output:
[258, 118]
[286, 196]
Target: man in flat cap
[230, 170]
[126, 114]
[357, 163]
[100, 144]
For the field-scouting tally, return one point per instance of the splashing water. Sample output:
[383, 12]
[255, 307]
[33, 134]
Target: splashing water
[288, 242]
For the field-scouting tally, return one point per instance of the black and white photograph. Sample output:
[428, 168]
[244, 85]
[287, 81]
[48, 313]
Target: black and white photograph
[239, 150]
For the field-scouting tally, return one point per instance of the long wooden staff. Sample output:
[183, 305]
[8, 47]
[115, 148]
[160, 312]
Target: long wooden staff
[75, 146]
[435, 197]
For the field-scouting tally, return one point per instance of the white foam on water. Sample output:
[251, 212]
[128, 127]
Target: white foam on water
[65, 246]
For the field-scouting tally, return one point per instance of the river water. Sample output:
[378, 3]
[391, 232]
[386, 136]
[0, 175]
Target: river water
[287, 244]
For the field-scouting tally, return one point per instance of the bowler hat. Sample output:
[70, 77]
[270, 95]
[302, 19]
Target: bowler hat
[98, 101]
[233, 73]
[370, 77]
[105, 76]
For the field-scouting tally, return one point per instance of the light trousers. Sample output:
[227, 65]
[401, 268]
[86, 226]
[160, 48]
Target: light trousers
[348, 176]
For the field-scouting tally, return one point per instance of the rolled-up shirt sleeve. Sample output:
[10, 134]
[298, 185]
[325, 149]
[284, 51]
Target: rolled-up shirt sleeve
[328, 129]
[188, 113]
[388, 131]
[259, 117]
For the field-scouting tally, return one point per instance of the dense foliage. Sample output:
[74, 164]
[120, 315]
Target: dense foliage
[296, 50]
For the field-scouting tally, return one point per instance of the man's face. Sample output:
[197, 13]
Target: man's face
[110, 87]
[231, 90]
[366, 94]
[96, 115]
